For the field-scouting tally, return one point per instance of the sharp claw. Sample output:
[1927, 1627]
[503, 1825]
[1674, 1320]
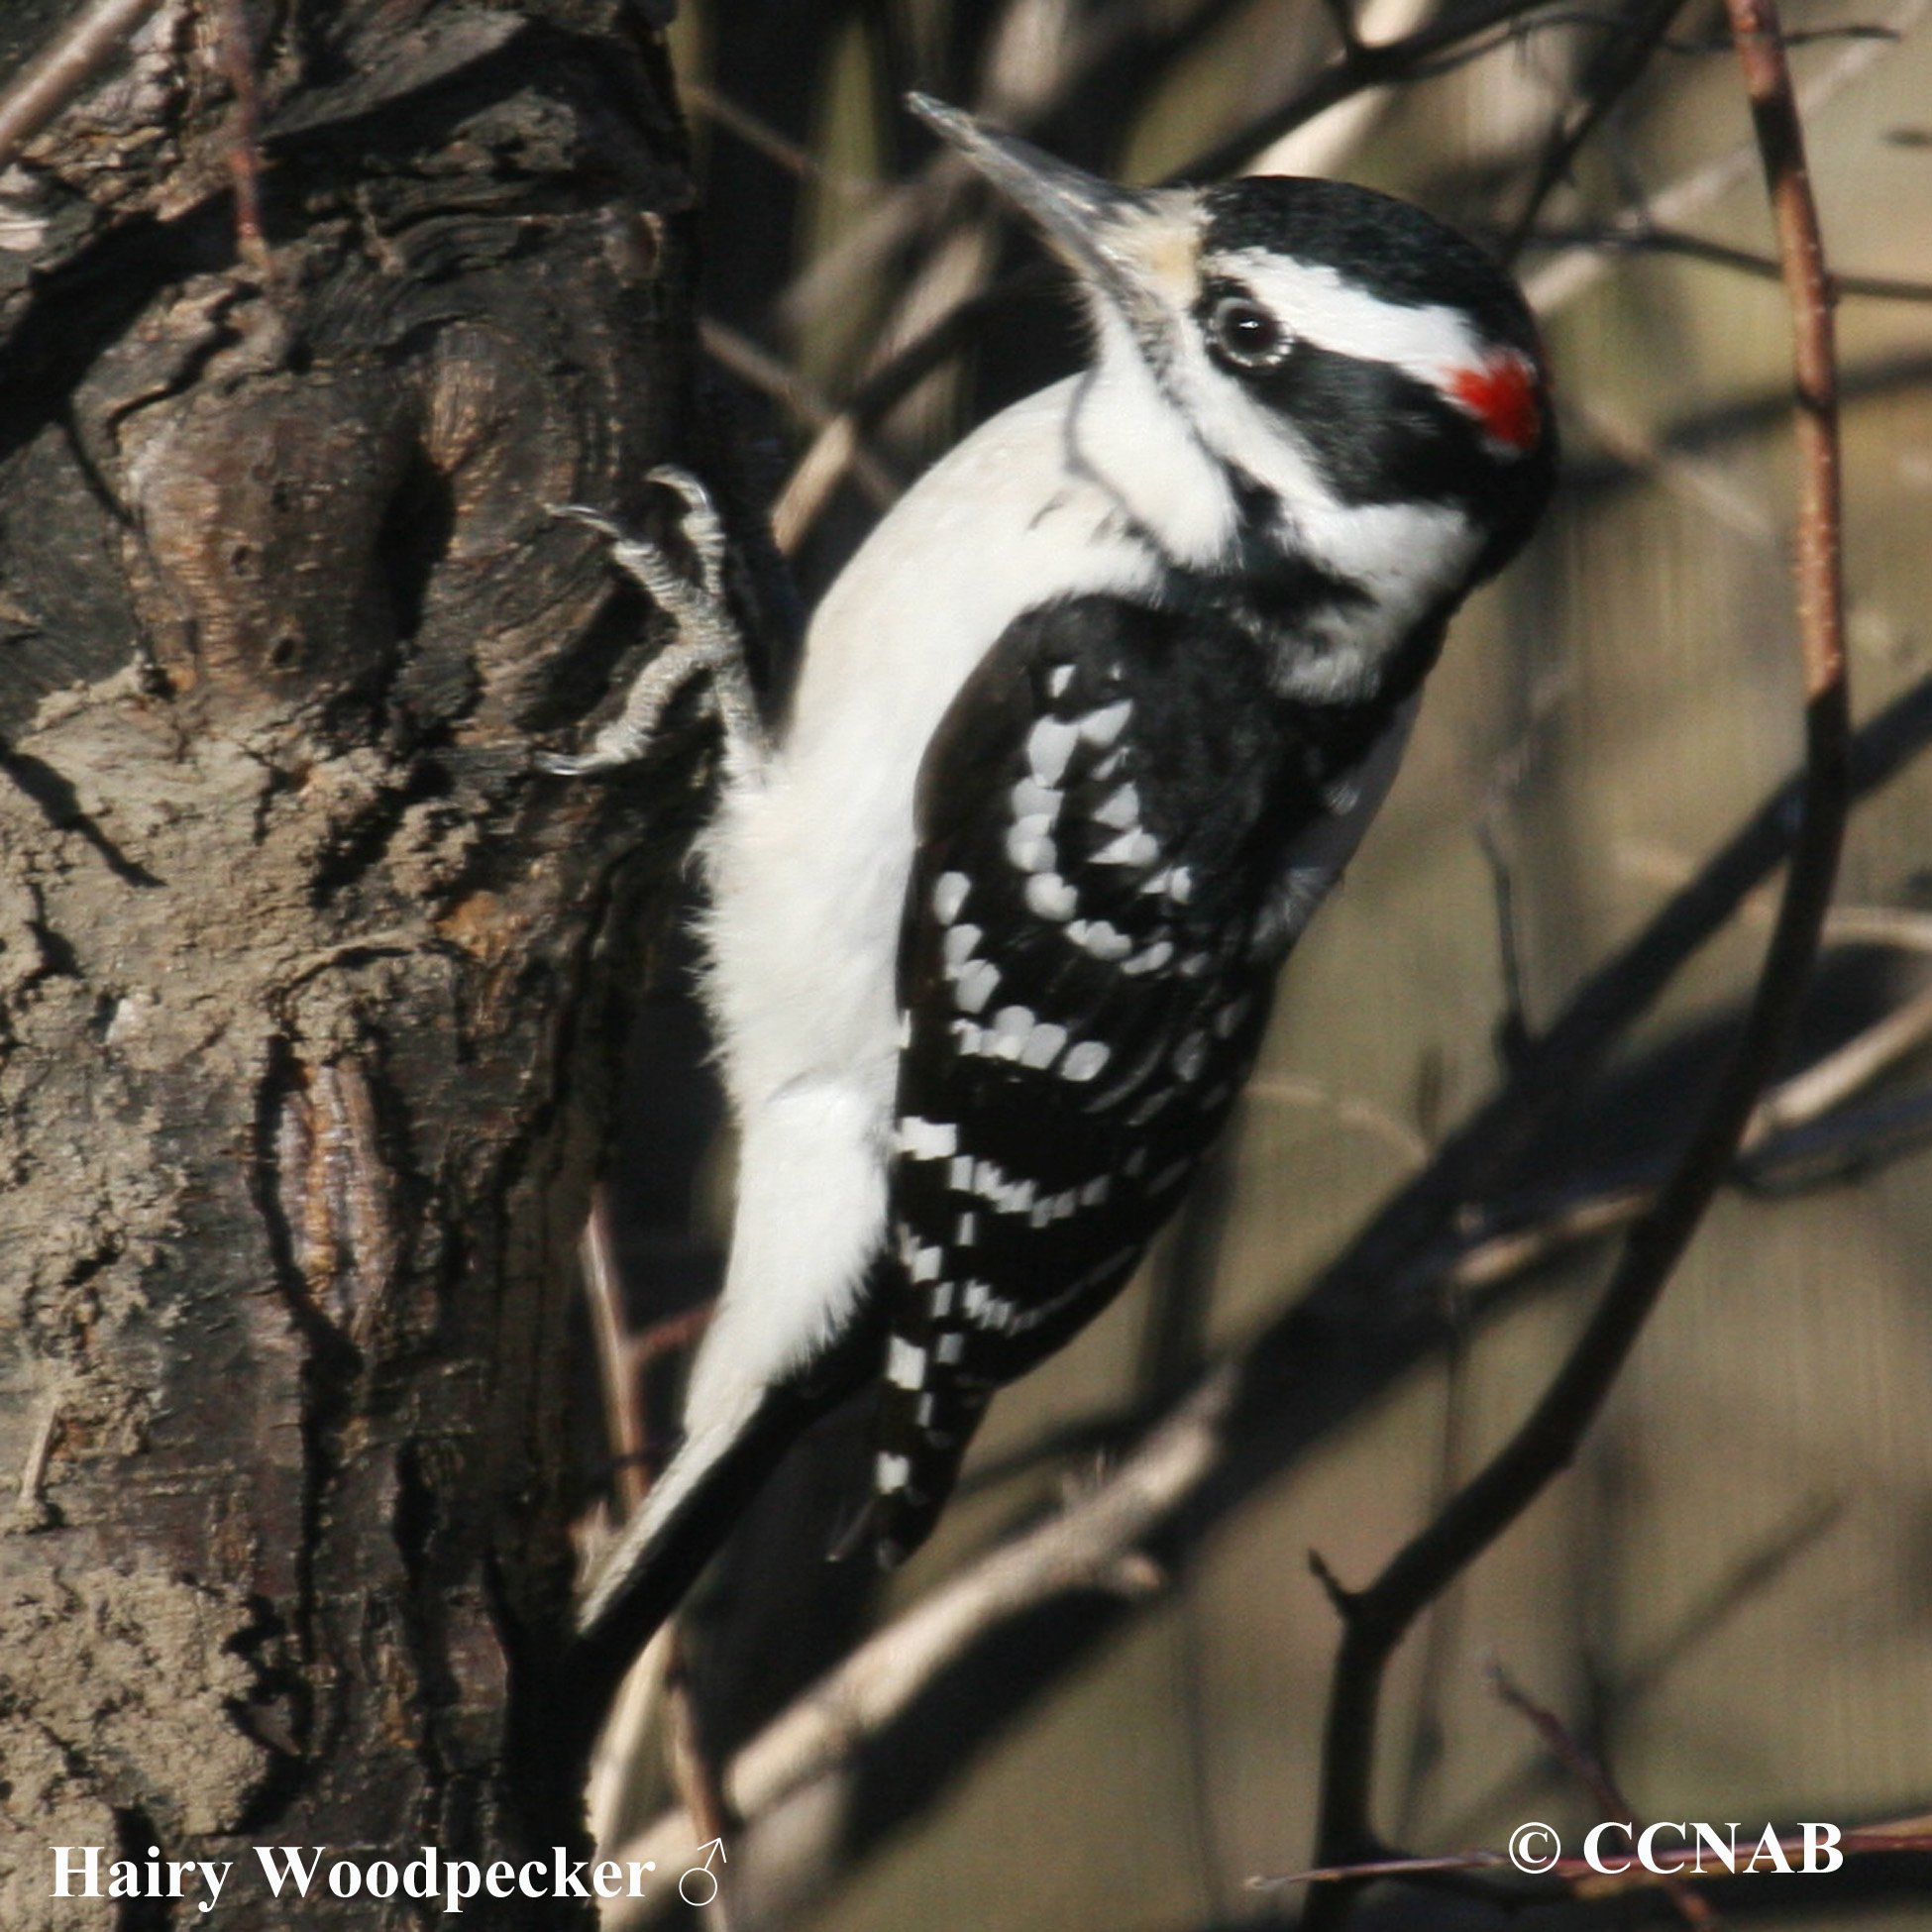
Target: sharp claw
[682, 484]
[584, 513]
[708, 642]
[704, 527]
[560, 764]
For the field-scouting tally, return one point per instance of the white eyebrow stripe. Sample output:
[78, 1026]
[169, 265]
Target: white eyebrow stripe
[1321, 307]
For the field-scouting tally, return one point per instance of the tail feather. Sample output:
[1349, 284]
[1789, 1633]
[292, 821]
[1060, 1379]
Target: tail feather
[692, 1508]
[921, 1440]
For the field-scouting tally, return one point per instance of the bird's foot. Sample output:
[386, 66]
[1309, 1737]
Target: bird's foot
[708, 642]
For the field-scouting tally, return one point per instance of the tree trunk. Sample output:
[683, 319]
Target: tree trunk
[311, 988]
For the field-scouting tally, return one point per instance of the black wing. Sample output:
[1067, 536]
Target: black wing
[1092, 932]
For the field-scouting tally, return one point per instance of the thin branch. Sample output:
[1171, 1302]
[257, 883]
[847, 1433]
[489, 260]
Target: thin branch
[1648, 240]
[692, 1772]
[807, 406]
[1594, 1777]
[1378, 1617]
[766, 140]
[235, 54]
[1089, 1546]
[62, 67]
[1359, 68]
[1564, 277]
[1907, 1836]
[1709, 487]
[1624, 64]
[1742, 1582]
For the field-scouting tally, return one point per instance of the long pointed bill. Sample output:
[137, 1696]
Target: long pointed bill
[1136, 247]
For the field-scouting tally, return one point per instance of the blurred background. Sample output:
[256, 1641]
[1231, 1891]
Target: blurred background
[1727, 1601]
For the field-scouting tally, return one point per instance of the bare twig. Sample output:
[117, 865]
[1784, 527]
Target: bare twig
[1359, 68]
[807, 406]
[236, 55]
[1648, 239]
[775, 147]
[1892, 1840]
[63, 66]
[1089, 1546]
[623, 1408]
[692, 1772]
[1624, 64]
[1562, 279]
[1624, 1689]
[1710, 486]
[1378, 1618]
[1591, 1771]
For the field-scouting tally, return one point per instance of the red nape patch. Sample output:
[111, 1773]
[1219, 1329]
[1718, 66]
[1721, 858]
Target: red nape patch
[1501, 396]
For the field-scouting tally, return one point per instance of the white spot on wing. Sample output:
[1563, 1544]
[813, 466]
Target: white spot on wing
[904, 1365]
[1103, 941]
[975, 983]
[1048, 747]
[1151, 959]
[1085, 1060]
[1120, 809]
[958, 945]
[891, 1473]
[1032, 800]
[1044, 1045]
[1048, 895]
[1131, 848]
[1191, 1056]
[927, 1139]
[1232, 1014]
[1101, 727]
[1029, 846]
[949, 891]
[1012, 1027]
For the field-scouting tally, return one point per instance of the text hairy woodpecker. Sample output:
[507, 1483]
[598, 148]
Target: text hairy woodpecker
[1083, 735]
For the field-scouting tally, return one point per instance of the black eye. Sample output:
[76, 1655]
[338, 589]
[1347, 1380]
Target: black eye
[1246, 333]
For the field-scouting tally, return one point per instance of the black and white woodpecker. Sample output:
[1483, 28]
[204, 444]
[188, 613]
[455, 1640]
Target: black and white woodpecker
[1083, 735]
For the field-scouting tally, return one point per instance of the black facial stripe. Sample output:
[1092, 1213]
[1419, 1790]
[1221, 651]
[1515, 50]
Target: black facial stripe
[1378, 434]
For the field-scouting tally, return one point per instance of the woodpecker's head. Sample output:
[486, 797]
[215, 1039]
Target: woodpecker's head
[1355, 380]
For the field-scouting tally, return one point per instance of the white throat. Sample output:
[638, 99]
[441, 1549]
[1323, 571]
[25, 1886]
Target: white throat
[1166, 448]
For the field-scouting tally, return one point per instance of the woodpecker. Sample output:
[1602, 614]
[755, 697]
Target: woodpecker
[1083, 735]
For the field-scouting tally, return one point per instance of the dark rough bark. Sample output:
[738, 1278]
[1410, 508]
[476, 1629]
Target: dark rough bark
[311, 989]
